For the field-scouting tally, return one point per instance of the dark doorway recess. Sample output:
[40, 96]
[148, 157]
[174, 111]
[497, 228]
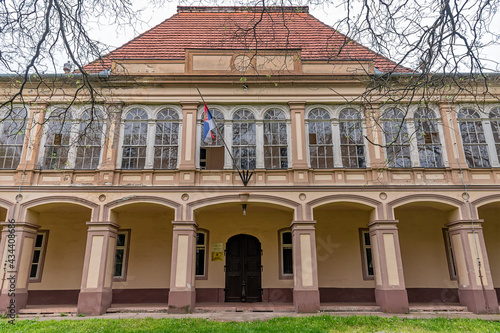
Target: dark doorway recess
[243, 269]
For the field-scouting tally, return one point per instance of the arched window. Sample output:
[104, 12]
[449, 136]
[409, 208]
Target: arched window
[12, 138]
[473, 138]
[57, 142]
[428, 142]
[495, 128]
[166, 139]
[275, 140]
[244, 139]
[396, 139]
[212, 150]
[320, 139]
[135, 139]
[89, 141]
[351, 139]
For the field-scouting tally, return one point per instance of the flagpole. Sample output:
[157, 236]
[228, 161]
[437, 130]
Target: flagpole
[245, 177]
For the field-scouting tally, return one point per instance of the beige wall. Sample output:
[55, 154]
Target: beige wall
[491, 228]
[65, 247]
[338, 247]
[150, 245]
[422, 247]
[225, 221]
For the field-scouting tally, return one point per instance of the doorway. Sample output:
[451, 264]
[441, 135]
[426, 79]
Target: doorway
[243, 269]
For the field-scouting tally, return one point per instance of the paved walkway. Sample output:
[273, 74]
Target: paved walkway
[254, 316]
[249, 312]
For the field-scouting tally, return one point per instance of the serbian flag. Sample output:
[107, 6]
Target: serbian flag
[208, 125]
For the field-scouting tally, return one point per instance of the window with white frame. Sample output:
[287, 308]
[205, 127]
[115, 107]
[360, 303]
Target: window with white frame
[397, 140]
[428, 142]
[286, 252]
[12, 133]
[366, 254]
[495, 128]
[58, 139]
[38, 256]
[212, 150]
[473, 138]
[320, 139]
[121, 255]
[275, 140]
[89, 141]
[166, 139]
[351, 139]
[244, 147]
[201, 253]
[135, 138]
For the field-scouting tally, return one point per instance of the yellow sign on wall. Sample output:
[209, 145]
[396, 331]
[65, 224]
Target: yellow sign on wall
[217, 252]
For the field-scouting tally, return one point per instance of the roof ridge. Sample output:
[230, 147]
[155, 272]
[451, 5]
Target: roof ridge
[249, 9]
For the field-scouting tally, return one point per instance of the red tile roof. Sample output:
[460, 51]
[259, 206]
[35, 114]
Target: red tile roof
[244, 28]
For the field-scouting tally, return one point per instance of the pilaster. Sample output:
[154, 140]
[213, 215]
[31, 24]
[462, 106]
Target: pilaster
[299, 151]
[188, 151]
[182, 294]
[96, 293]
[16, 246]
[305, 267]
[475, 284]
[452, 135]
[390, 290]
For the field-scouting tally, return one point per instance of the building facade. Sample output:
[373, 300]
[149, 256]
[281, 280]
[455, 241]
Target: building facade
[387, 203]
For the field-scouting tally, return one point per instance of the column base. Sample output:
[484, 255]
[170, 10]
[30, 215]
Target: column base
[181, 301]
[475, 302]
[306, 301]
[392, 301]
[94, 303]
[12, 305]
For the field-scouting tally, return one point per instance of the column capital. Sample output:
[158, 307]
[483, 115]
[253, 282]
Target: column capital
[303, 224]
[383, 224]
[19, 225]
[465, 224]
[297, 105]
[102, 226]
[190, 105]
[184, 223]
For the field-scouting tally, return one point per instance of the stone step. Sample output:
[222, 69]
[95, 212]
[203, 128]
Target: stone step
[438, 308]
[350, 308]
[48, 310]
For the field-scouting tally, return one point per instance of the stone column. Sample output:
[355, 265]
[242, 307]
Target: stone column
[390, 290]
[16, 246]
[95, 293]
[305, 267]
[475, 285]
[182, 294]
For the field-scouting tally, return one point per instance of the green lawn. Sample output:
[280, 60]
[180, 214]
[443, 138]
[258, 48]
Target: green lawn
[324, 323]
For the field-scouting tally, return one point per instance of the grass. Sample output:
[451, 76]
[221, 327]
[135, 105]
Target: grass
[323, 323]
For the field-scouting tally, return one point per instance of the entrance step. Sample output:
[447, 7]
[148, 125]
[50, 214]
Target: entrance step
[49, 310]
[243, 307]
[138, 308]
[346, 307]
[423, 307]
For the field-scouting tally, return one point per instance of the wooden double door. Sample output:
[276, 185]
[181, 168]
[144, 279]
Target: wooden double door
[243, 269]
